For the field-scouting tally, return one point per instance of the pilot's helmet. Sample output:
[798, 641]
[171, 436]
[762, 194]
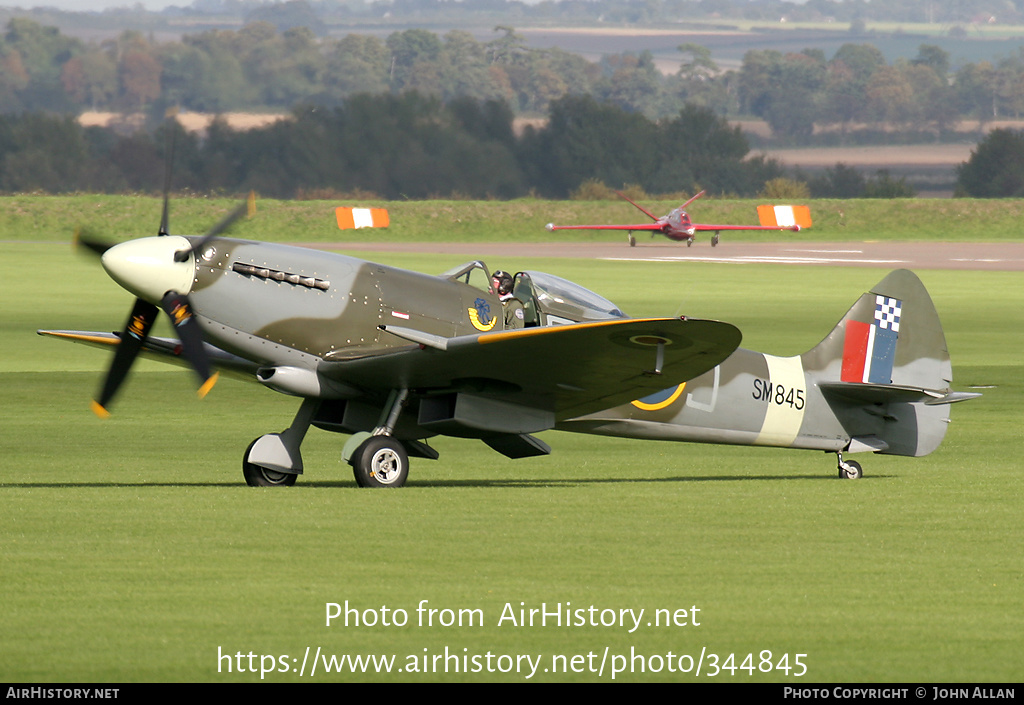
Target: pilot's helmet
[502, 282]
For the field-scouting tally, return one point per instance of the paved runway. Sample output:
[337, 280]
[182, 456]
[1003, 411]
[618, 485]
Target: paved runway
[1007, 256]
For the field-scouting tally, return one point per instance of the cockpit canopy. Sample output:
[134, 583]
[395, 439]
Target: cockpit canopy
[678, 218]
[559, 301]
[547, 299]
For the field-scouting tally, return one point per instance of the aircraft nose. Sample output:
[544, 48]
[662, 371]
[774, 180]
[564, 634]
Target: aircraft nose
[146, 267]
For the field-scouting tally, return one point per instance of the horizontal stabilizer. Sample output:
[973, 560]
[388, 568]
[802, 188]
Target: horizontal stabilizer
[784, 216]
[954, 397]
[865, 393]
[353, 218]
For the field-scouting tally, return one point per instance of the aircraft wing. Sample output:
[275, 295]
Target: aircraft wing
[162, 349]
[705, 226]
[792, 218]
[567, 370]
[658, 227]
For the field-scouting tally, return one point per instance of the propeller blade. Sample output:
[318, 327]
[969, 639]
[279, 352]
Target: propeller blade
[88, 241]
[172, 139]
[136, 329]
[177, 305]
[164, 216]
[186, 326]
[246, 208]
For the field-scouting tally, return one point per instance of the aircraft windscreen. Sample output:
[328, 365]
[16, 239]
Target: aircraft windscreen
[473, 273]
[550, 289]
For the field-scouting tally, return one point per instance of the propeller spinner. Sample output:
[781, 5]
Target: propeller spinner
[160, 272]
[149, 268]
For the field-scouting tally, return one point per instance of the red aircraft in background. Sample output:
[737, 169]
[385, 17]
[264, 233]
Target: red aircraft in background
[678, 226]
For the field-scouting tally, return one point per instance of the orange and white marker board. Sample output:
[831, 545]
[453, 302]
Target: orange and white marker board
[784, 216]
[349, 218]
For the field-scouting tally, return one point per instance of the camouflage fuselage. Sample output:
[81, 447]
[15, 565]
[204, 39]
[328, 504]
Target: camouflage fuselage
[750, 399]
[289, 305]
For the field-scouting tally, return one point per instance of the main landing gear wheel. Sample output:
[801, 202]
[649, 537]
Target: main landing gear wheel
[259, 476]
[714, 240]
[850, 470]
[632, 240]
[381, 461]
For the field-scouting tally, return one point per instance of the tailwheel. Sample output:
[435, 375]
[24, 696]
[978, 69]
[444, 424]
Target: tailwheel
[849, 469]
[381, 461]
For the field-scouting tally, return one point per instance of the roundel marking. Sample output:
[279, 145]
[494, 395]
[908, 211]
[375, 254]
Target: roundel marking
[650, 340]
[660, 400]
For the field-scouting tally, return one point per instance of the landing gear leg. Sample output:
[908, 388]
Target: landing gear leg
[849, 469]
[381, 460]
[274, 460]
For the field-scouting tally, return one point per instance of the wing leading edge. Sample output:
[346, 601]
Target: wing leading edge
[162, 349]
[656, 227]
[706, 227]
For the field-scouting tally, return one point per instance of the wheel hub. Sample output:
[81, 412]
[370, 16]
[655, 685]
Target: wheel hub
[273, 476]
[386, 466]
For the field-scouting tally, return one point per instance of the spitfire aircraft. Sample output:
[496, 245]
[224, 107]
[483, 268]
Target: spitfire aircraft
[394, 357]
[678, 226]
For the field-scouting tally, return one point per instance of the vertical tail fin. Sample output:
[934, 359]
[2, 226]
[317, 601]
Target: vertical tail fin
[885, 369]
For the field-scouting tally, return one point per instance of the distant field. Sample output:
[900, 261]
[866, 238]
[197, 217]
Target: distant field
[929, 169]
[907, 156]
[729, 40]
[191, 121]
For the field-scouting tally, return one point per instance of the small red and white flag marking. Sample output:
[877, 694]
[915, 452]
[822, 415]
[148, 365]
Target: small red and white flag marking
[351, 218]
[784, 216]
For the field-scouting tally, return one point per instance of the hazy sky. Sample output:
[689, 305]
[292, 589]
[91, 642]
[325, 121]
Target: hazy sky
[93, 4]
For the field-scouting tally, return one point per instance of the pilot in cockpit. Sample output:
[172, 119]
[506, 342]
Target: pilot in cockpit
[513, 308]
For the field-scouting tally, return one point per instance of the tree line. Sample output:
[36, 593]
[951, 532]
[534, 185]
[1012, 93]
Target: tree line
[415, 146]
[393, 146]
[259, 68]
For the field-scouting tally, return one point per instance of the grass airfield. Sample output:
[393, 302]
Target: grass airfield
[134, 551]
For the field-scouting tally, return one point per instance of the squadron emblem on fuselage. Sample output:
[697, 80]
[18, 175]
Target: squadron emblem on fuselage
[480, 315]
